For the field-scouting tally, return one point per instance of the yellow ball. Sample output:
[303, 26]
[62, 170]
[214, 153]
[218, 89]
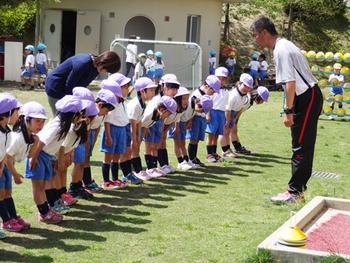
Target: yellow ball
[334, 82]
[329, 56]
[346, 98]
[314, 68]
[346, 86]
[338, 97]
[346, 57]
[322, 82]
[304, 52]
[341, 112]
[345, 70]
[311, 54]
[327, 109]
[328, 69]
[338, 57]
[320, 56]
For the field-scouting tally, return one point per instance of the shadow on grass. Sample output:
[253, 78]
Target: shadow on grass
[11, 256]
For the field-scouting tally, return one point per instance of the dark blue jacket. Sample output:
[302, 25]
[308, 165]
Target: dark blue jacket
[76, 71]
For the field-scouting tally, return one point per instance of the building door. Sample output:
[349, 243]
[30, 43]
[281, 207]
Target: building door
[88, 32]
[69, 23]
[52, 35]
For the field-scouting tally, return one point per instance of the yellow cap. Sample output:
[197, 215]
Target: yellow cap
[337, 66]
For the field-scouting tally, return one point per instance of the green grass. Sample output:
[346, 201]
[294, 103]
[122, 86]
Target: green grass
[217, 214]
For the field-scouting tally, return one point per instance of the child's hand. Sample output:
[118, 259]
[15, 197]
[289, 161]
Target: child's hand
[33, 162]
[17, 178]
[146, 132]
[109, 141]
[189, 125]
[176, 131]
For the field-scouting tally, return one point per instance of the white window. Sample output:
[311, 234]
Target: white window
[193, 28]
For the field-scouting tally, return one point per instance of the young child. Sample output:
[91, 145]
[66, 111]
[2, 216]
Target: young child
[254, 67]
[145, 89]
[41, 64]
[158, 67]
[216, 120]
[40, 167]
[140, 68]
[155, 114]
[29, 123]
[199, 122]
[114, 137]
[149, 64]
[263, 67]
[336, 90]
[105, 102]
[231, 63]
[212, 62]
[28, 68]
[8, 115]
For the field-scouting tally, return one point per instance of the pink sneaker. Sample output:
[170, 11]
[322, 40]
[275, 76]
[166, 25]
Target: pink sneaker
[143, 175]
[51, 217]
[108, 185]
[68, 199]
[287, 198]
[154, 173]
[23, 223]
[12, 226]
[119, 184]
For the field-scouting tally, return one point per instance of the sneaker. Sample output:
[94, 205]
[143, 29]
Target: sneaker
[287, 198]
[143, 175]
[154, 173]
[2, 234]
[68, 199]
[166, 169]
[93, 187]
[218, 158]
[210, 158]
[108, 185]
[60, 207]
[243, 150]
[229, 154]
[331, 117]
[119, 184]
[22, 222]
[81, 193]
[193, 165]
[12, 226]
[51, 217]
[184, 166]
[197, 161]
[131, 178]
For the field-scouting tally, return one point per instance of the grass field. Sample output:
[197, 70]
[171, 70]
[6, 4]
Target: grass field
[217, 214]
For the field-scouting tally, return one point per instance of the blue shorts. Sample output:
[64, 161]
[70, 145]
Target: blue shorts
[155, 132]
[41, 69]
[79, 153]
[150, 73]
[217, 122]
[158, 73]
[6, 179]
[128, 135]
[231, 69]
[253, 73]
[181, 136]
[211, 71]
[263, 74]
[92, 136]
[337, 91]
[232, 119]
[27, 73]
[44, 169]
[197, 132]
[118, 140]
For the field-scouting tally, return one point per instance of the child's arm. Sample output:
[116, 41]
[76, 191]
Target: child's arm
[108, 134]
[177, 128]
[10, 162]
[35, 153]
[96, 135]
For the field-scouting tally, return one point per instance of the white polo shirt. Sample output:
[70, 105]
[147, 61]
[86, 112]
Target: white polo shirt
[71, 141]
[147, 120]
[263, 65]
[212, 60]
[254, 65]
[97, 122]
[288, 58]
[49, 136]
[173, 118]
[220, 100]
[231, 62]
[118, 116]
[340, 77]
[18, 148]
[5, 141]
[237, 101]
[130, 55]
[135, 110]
[41, 58]
[149, 63]
[30, 61]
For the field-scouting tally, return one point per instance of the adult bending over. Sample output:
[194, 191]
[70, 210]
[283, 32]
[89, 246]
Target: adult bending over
[303, 104]
[78, 70]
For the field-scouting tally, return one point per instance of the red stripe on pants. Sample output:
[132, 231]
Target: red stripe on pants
[301, 135]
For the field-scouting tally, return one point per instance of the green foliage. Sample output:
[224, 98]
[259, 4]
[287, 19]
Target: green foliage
[334, 259]
[314, 10]
[263, 256]
[15, 20]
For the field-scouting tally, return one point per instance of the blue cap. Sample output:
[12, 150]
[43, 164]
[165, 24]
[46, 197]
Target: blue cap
[8, 102]
[69, 103]
[111, 85]
[83, 93]
[29, 47]
[213, 82]
[212, 52]
[41, 46]
[107, 96]
[158, 54]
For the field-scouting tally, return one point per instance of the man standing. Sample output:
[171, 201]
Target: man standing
[131, 53]
[303, 104]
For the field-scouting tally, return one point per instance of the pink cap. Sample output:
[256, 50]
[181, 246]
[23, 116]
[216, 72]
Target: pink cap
[83, 93]
[247, 80]
[33, 109]
[107, 96]
[213, 82]
[8, 102]
[89, 107]
[169, 103]
[111, 85]
[221, 72]
[69, 103]
[120, 79]
[207, 103]
[144, 83]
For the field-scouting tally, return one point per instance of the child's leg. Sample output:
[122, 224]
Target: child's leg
[135, 156]
[10, 204]
[40, 196]
[211, 143]
[115, 166]
[192, 149]
[183, 150]
[162, 153]
[4, 214]
[125, 162]
[106, 166]
[149, 151]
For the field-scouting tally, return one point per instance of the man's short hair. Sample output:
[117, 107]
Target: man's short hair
[262, 23]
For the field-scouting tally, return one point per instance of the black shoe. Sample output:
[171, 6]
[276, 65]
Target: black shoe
[198, 162]
[81, 193]
[243, 150]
